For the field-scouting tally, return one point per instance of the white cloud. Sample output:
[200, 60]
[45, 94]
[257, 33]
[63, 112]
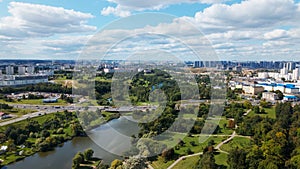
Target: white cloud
[125, 7]
[115, 11]
[276, 34]
[248, 14]
[32, 20]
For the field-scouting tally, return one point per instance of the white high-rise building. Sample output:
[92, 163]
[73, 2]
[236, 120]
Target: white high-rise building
[289, 66]
[296, 74]
[21, 70]
[9, 70]
[284, 71]
[30, 69]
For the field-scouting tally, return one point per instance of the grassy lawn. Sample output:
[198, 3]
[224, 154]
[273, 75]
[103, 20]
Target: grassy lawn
[102, 79]
[190, 162]
[35, 102]
[173, 139]
[221, 159]
[89, 103]
[161, 164]
[239, 142]
[17, 112]
[40, 119]
[224, 130]
[181, 151]
[270, 112]
[199, 146]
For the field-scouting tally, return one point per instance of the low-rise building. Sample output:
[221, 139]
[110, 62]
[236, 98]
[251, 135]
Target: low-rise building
[254, 90]
[50, 100]
[270, 96]
[290, 98]
[19, 80]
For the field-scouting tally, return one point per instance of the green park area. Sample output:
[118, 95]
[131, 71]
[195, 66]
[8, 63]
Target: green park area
[269, 112]
[237, 142]
[190, 145]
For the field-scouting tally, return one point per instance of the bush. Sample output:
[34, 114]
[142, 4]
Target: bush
[60, 131]
[188, 151]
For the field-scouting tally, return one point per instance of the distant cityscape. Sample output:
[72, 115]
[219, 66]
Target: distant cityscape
[255, 77]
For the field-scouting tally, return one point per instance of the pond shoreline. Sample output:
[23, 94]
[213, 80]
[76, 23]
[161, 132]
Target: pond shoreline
[67, 139]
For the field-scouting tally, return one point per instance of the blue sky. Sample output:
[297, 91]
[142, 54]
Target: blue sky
[234, 30]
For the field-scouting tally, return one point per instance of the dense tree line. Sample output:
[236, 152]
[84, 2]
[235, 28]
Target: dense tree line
[276, 143]
[41, 87]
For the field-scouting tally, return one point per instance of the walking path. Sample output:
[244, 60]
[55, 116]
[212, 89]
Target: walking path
[183, 157]
[248, 111]
[217, 147]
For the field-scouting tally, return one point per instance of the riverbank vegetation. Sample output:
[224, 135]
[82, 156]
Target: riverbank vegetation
[42, 133]
[86, 160]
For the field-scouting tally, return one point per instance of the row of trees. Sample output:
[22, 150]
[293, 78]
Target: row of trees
[41, 87]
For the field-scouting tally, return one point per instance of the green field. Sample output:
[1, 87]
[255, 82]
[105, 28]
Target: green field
[187, 163]
[224, 130]
[17, 112]
[191, 162]
[221, 159]
[239, 142]
[270, 112]
[182, 150]
[161, 164]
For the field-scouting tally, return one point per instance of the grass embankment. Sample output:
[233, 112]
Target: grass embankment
[106, 116]
[16, 112]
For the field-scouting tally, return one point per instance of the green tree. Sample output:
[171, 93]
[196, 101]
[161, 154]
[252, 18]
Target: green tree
[237, 159]
[279, 94]
[207, 161]
[115, 164]
[77, 160]
[88, 154]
